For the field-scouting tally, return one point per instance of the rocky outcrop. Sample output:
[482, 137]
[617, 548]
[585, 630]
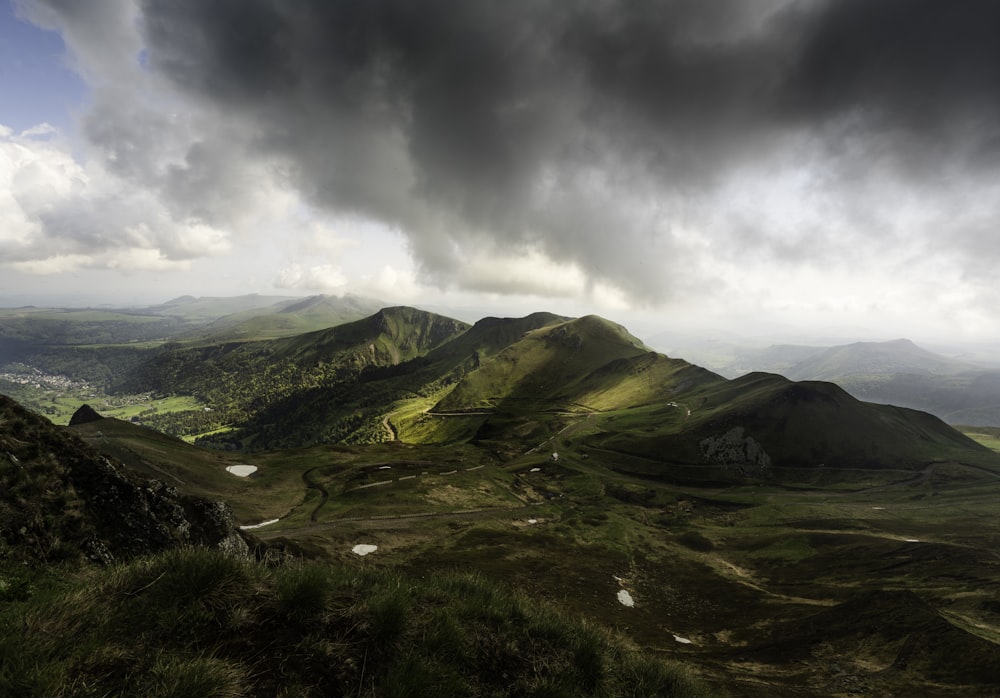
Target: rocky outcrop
[734, 448]
[59, 498]
[135, 517]
[83, 415]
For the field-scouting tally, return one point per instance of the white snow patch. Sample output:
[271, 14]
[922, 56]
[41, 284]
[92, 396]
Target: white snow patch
[534, 470]
[385, 467]
[912, 540]
[625, 598]
[682, 640]
[364, 548]
[259, 525]
[241, 470]
[879, 508]
[532, 521]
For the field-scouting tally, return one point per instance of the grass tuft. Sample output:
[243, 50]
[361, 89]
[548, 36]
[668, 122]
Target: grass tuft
[388, 611]
[303, 591]
[172, 677]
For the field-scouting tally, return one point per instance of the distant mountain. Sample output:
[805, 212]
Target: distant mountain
[285, 318]
[24, 330]
[897, 372]
[874, 358]
[207, 309]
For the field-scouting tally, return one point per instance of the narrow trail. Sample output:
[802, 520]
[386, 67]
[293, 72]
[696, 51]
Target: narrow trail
[390, 428]
[324, 494]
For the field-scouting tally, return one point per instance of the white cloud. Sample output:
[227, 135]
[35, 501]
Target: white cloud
[56, 264]
[43, 129]
[138, 259]
[323, 278]
[57, 214]
[393, 284]
[528, 273]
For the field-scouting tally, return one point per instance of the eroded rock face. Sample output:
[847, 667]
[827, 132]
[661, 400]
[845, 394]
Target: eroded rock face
[59, 497]
[737, 449]
[137, 517]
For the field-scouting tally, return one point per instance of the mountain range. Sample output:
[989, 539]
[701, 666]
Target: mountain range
[408, 375]
[409, 500]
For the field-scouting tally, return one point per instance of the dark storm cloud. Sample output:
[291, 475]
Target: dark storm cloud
[589, 130]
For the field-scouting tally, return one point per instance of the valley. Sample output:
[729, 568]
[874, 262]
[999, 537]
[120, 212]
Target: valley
[762, 536]
[737, 569]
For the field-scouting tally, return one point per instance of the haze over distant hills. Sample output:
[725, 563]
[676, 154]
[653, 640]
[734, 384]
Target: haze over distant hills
[897, 372]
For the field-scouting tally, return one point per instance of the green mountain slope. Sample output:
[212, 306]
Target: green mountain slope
[550, 367]
[240, 381]
[355, 407]
[389, 337]
[765, 426]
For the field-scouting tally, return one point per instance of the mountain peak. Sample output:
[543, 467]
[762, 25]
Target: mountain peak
[83, 415]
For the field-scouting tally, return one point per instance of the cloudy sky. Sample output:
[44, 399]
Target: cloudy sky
[829, 166]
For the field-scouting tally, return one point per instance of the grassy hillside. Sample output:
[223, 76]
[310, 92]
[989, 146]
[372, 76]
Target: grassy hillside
[163, 615]
[767, 427]
[544, 366]
[239, 381]
[197, 623]
[747, 576]
[358, 408]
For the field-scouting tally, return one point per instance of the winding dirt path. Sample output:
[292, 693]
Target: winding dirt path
[390, 428]
[324, 494]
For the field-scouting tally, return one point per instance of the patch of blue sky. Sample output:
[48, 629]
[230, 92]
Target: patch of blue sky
[36, 84]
